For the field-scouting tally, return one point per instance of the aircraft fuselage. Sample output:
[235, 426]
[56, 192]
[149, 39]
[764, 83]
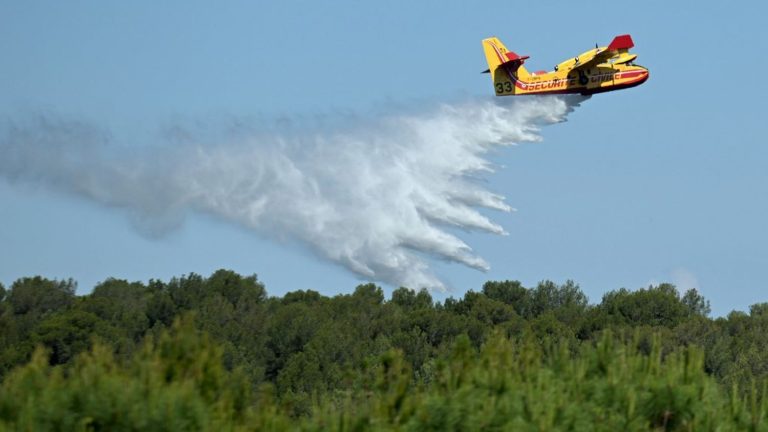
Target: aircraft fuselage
[598, 70]
[601, 78]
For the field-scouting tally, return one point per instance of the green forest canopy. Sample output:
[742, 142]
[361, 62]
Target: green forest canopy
[201, 353]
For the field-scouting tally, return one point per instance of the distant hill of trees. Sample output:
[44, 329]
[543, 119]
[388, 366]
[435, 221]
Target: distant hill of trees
[202, 353]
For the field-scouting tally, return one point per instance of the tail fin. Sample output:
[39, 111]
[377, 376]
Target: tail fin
[504, 66]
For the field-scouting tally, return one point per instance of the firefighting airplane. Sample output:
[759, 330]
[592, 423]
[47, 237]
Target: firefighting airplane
[598, 70]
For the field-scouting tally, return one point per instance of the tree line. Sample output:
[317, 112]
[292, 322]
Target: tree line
[197, 353]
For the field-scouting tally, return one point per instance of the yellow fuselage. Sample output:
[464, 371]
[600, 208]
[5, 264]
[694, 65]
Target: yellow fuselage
[600, 78]
[598, 70]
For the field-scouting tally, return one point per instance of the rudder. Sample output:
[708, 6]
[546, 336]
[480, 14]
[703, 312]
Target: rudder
[505, 66]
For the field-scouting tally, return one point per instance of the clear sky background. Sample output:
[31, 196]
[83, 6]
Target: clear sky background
[663, 182]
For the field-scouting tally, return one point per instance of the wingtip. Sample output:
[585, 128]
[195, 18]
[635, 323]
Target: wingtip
[622, 42]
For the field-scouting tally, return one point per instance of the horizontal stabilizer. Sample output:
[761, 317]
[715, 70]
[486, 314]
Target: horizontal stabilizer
[514, 62]
[511, 56]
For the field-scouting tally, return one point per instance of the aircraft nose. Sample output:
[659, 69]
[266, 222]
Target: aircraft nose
[644, 75]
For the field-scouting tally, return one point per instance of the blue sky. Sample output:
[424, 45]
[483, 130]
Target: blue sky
[664, 182]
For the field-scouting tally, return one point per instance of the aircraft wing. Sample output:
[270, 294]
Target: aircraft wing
[617, 52]
[593, 58]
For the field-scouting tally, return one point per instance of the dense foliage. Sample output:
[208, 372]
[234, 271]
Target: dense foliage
[201, 353]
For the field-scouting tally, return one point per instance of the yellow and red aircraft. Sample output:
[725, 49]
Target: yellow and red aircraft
[598, 70]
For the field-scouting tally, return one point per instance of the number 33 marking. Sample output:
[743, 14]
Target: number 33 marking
[506, 86]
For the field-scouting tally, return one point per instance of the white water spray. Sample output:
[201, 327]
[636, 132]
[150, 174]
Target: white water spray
[375, 197]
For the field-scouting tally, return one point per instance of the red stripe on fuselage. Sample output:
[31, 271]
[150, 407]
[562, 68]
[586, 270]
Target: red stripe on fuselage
[525, 85]
[629, 74]
[585, 90]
